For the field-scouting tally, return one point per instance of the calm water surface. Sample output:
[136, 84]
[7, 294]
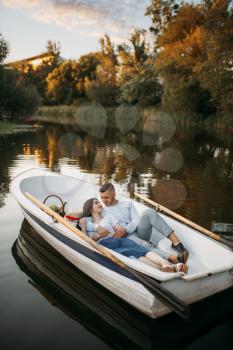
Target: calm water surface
[46, 303]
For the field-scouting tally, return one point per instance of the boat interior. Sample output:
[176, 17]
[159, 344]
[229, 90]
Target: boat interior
[207, 256]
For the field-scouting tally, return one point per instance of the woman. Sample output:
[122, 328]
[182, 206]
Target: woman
[94, 221]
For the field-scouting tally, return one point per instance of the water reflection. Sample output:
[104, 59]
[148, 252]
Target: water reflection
[102, 313]
[200, 188]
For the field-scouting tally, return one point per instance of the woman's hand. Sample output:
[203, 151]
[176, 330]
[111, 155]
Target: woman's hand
[96, 236]
[102, 231]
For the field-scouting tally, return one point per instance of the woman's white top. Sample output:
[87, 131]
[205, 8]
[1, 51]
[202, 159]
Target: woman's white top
[108, 222]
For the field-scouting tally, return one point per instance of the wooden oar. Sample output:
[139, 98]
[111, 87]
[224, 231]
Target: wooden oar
[166, 297]
[185, 221]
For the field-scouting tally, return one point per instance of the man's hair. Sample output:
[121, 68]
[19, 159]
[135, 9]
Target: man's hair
[107, 187]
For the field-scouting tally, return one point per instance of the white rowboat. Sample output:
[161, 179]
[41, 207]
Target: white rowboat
[210, 262]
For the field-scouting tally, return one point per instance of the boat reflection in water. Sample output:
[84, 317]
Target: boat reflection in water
[104, 314]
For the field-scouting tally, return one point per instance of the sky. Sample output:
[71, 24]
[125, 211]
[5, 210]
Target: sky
[27, 25]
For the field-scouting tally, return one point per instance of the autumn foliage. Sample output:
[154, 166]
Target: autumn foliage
[186, 66]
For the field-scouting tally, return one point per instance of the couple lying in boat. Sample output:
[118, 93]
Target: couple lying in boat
[118, 226]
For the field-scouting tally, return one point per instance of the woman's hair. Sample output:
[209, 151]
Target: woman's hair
[88, 207]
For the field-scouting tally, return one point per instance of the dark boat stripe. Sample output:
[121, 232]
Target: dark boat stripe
[98, 258]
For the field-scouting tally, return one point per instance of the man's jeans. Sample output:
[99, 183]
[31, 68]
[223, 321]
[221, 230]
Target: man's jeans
[151, 229]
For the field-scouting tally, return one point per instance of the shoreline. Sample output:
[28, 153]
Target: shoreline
[8, 128]
[68, 115]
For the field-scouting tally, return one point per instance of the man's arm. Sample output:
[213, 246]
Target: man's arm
[134, 219]
[131, 227]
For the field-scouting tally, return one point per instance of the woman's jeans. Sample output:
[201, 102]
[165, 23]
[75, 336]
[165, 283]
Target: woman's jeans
[151, 224]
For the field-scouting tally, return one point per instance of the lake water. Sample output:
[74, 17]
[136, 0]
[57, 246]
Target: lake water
[45, 302]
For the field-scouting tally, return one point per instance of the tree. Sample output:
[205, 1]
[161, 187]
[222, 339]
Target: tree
[132, 58]
[144, 88]
[107, 62]
[216, 73]
[103, 88]
[16, 99]
[183, 47]
[137, 75]
[162, 13]
[62, 81]
[194, 54]
[4, 49]
[71, 79]
[86, 84]
[37, 76]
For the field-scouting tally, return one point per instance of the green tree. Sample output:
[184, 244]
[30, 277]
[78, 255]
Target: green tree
[37, 76]
[137, 75]
[104, 89]
[69, 81]
[16, 99]
[86, 85]
[4, 49]
[132, 57]
[144, 88]
[61, 83]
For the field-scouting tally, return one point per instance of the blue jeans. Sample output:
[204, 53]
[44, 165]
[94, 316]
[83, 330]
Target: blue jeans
[124, 246]
[151, 228]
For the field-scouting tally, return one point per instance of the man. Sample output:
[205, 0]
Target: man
[140, 229]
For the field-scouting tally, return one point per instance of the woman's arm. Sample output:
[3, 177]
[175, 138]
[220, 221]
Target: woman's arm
[83, 225]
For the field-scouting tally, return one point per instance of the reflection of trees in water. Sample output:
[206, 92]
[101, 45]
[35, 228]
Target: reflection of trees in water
[8, 150]
[207, 172]
[30, 144]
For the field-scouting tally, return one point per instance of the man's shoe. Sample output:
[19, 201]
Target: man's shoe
[183, 253]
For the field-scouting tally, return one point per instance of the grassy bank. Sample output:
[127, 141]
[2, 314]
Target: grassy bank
[87, 115]
[92, 115]
[7, 128]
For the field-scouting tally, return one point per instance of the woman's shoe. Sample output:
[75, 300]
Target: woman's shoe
[181, 267]
[168, 268]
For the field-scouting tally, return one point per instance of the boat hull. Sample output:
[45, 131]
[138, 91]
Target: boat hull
[101, 312]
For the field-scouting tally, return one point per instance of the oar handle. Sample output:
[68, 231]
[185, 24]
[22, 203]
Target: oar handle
[160, 207]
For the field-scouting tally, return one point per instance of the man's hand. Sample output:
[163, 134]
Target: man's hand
[119, 231]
